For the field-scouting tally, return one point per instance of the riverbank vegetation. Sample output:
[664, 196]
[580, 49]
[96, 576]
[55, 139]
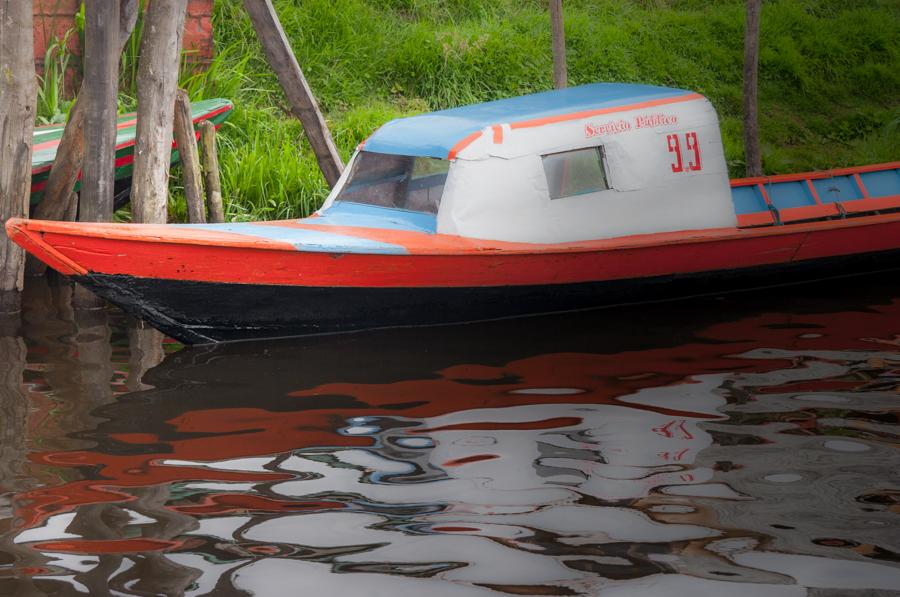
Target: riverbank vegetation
[829, 76]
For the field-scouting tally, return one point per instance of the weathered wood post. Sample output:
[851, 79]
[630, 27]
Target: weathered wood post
[157, 82]
[101, 83]
[211, 172]
[560, 71]
[752, 153]
[186, 140]
[303, 103]
[60, 202]
[18, 102]
[70, 153]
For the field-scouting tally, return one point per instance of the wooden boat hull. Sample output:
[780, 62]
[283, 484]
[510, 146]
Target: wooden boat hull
[207, 284]
[203, 312]
[47, 138]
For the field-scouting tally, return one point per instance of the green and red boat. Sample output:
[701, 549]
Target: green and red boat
[47, 138]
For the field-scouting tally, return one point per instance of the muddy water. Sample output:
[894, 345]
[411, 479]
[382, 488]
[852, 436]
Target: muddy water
[743, 445]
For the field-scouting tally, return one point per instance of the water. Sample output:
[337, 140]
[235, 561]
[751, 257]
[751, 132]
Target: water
[731, 446]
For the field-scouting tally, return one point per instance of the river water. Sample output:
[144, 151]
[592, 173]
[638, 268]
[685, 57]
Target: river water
[742, 445]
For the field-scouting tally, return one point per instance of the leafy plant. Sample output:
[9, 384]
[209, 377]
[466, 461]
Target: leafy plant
[52, 106]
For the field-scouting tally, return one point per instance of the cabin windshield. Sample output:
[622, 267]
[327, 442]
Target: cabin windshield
[398, 181]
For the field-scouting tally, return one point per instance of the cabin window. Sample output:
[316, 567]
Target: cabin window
[577, 172]
[398, 181]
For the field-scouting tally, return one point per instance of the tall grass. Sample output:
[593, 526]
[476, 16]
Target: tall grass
[829, 75]
[52, 105]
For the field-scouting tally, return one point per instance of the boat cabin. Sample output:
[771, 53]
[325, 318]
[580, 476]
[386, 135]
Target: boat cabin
[585, 163]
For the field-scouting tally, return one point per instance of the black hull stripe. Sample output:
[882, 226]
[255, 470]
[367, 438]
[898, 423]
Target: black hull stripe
[204, 312]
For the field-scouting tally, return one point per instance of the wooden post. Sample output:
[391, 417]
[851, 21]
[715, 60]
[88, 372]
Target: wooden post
[65, 169]
[157, 82]
[211, 172]
[70, 153]
[59, 201]
[190, 160]
[752, 153]
[560, 72]
[18, 102]
[303, 103]
[101, 79]
[101, 84]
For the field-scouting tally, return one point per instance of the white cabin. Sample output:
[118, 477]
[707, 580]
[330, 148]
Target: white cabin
[585, 163]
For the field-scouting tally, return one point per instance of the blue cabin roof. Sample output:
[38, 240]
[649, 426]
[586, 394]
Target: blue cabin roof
[436, 133]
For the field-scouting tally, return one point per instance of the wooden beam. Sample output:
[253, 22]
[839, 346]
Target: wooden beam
[18, 103]
[752, 153]
[190, 159]
[70, 153]
[101, 82]
[560, 71]
[157, 82]
[211, 171]
[303, 103]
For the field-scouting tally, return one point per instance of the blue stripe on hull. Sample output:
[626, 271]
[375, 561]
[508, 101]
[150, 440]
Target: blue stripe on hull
[307, 240]
[345, 213]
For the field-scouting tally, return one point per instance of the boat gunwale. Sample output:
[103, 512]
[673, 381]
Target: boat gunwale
[814, 175]
[163, 234]
[229, 107]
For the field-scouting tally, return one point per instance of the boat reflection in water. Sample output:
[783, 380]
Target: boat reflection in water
[705, 447]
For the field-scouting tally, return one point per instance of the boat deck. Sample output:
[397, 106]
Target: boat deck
[811, 196]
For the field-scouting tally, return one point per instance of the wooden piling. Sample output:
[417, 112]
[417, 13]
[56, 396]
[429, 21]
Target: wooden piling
[18, 102]
[210, 157]
[101, 78]
[157, 82]
[752, 152]
[303, 103]
[65, 169]
[70, 153]
[186, 141]
[560, 71]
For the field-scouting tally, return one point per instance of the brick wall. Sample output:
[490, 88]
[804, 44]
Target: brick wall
[52, 18]
[198, 31]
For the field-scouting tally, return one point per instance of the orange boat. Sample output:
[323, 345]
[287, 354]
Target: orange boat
[568, 199]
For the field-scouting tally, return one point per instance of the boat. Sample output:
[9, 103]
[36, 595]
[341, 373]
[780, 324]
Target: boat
[47, 138]
[569, 199]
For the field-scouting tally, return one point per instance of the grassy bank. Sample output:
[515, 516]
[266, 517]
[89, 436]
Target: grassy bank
[829, 75]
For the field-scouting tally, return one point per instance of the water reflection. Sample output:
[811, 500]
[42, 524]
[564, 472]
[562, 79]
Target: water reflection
[712, 446]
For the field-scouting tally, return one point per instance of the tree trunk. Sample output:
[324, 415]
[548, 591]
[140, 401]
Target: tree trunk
[18, 100]
[303, 103]
[211, 171]
[157, 83]
[752, 154]
[101, 78]
[560, 72]
[70, 153]
[190, 158]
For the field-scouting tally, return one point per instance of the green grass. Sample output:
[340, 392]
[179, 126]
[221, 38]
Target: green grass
[829, 75]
